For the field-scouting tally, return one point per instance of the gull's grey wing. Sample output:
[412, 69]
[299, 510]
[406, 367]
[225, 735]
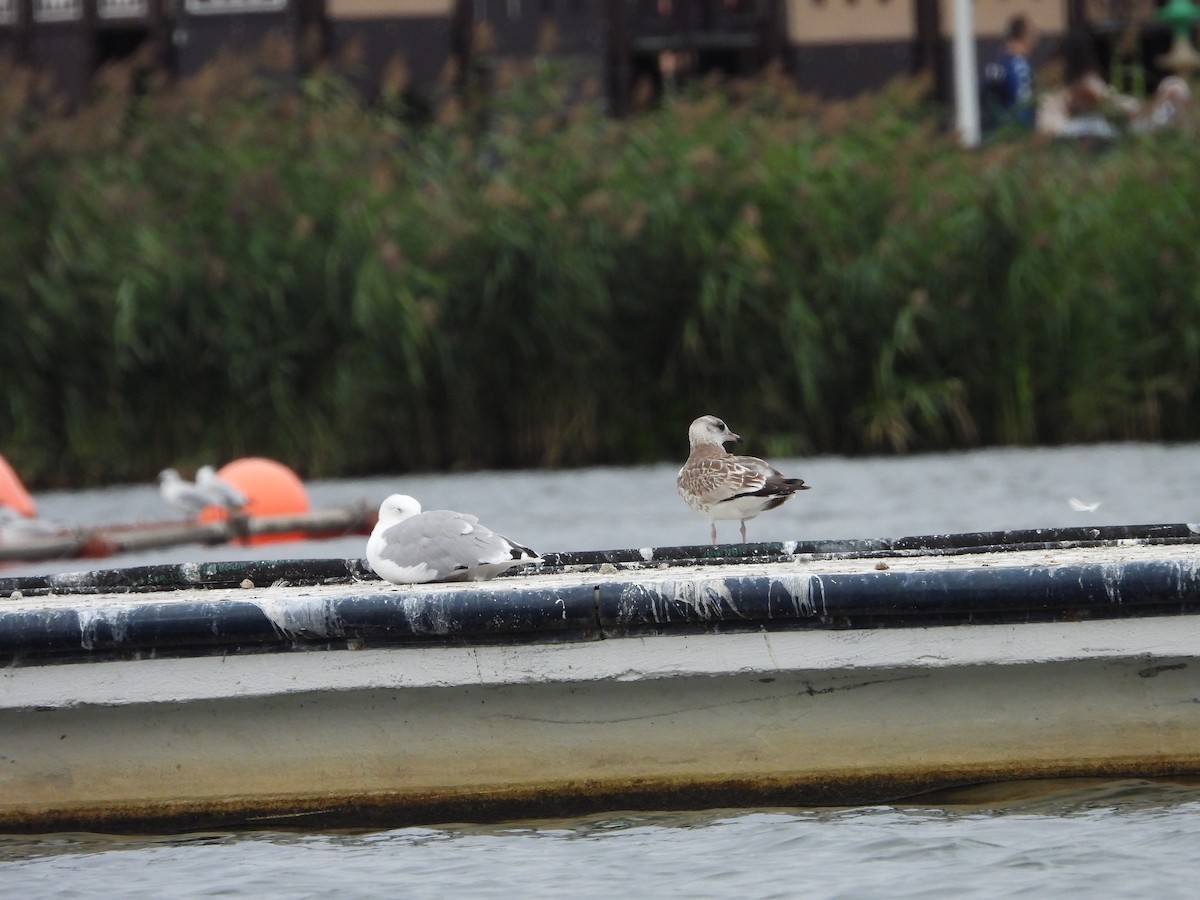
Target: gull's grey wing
[445, 541]
[184, 495]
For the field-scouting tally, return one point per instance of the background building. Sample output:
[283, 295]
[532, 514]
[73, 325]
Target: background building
[835, 48]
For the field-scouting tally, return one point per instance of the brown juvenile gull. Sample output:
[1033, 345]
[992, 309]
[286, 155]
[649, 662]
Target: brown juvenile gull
[408, 546]
[719, 485]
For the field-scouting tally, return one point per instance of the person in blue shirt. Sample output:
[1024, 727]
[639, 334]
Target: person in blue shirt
[1008, 82]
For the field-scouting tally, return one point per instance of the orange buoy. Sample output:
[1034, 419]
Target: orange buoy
[13, 493]
[271, 489]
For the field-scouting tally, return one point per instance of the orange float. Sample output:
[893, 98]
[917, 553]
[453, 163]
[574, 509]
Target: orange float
[271, 489]
[13, 493]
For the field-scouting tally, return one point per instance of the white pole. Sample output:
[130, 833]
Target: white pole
[966, 75]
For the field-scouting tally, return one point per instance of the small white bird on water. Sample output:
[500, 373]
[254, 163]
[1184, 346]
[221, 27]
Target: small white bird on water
[218, 489]
[408, 546]
[182, 494]
[719, 485]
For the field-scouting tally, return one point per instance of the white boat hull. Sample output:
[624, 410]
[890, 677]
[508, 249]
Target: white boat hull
[422, 734]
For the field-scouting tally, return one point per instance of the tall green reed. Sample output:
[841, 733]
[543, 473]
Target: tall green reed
[237, 265]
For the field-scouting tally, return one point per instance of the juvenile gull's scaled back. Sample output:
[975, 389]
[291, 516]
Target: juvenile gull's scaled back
[408, 546]
[719, 485]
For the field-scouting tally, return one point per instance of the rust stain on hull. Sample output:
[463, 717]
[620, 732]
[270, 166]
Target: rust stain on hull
[945, 785]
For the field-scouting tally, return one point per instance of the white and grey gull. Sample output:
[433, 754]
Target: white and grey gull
[719, 485]
[222, 492]
[181, 494]
[408, 546]
[209, 489]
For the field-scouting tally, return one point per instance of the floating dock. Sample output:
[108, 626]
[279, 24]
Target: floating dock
[310, 694]
[101, 541]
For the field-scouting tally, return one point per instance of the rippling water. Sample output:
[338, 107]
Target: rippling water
[1126, 839]
[610, 508]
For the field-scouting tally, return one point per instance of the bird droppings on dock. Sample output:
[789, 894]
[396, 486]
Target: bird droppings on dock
[717, 600]
[302, 605]
[305, 616]
[93, 619]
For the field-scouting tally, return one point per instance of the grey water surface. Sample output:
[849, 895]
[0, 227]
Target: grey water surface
[1124, 839]
[618, 508]
[1120, 839]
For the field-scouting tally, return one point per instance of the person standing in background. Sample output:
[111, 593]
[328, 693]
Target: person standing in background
[1008, 81]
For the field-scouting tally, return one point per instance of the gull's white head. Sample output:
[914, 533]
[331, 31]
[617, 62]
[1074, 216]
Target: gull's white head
[397, 508]
[710, 430]
[168, 475]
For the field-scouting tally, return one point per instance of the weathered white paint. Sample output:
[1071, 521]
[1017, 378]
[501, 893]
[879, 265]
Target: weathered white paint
[191, 680]
[528, 723]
